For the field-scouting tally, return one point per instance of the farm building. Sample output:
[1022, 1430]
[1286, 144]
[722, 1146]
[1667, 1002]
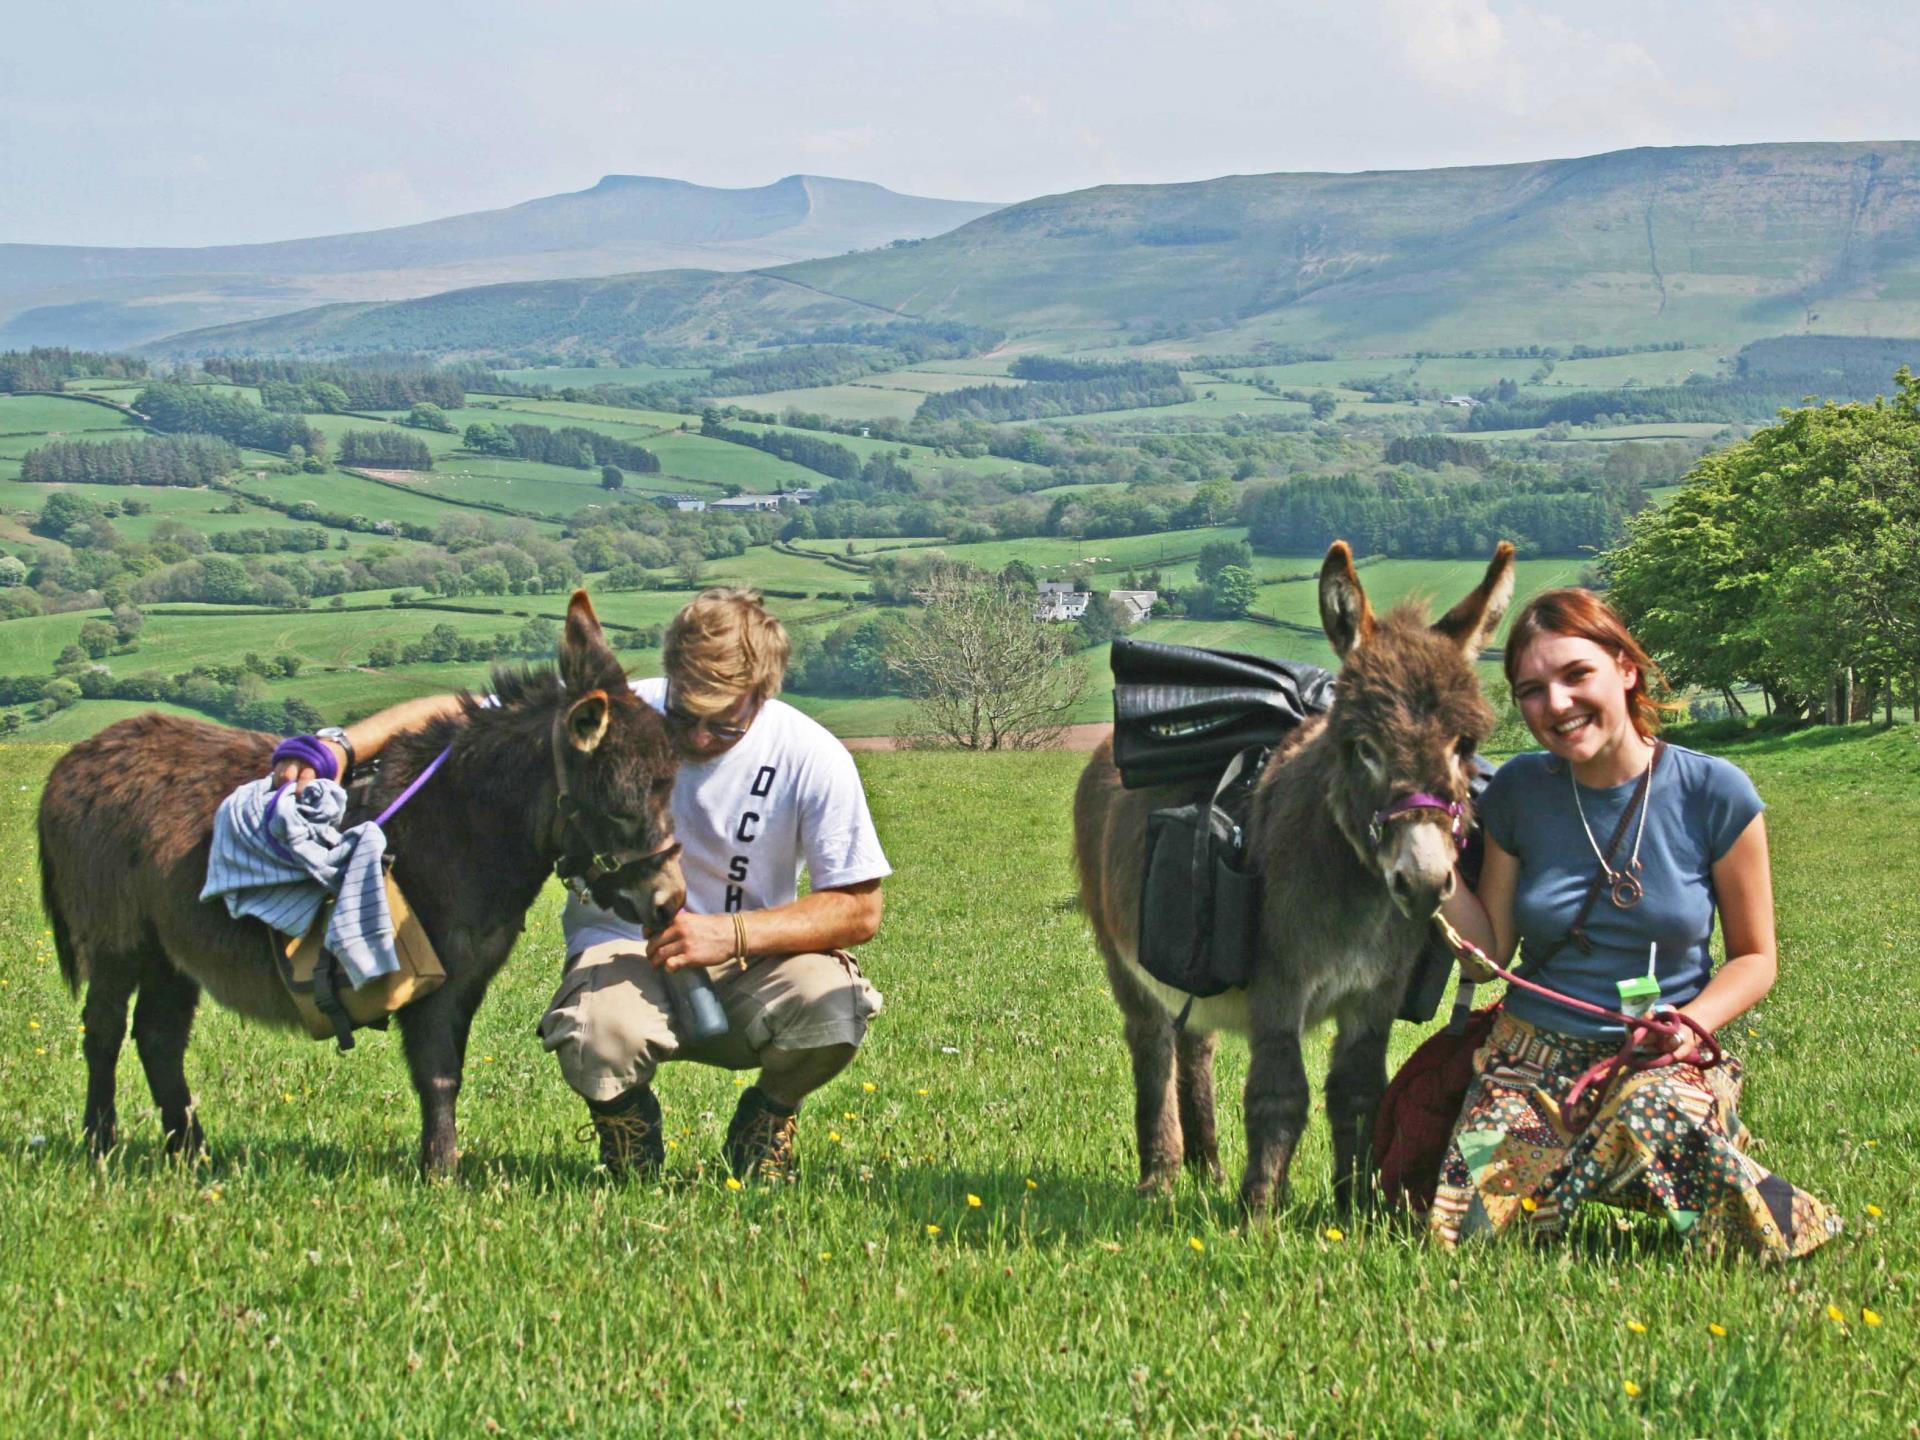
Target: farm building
[1135, 605]
[1058, 600]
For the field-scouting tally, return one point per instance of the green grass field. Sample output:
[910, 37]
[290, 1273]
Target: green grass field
[305, 1280]
[54, 417]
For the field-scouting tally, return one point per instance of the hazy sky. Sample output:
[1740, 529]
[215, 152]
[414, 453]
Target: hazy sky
[186, 122]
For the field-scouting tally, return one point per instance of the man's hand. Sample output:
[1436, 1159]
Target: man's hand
[293, 770]
[702, 940]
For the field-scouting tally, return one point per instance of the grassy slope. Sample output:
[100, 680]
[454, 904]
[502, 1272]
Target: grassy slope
[305, 1280]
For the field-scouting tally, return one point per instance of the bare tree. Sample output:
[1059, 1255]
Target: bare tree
[983, 673]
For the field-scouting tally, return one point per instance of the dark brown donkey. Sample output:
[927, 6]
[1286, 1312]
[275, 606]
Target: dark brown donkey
[1350, 876]
[127, 821]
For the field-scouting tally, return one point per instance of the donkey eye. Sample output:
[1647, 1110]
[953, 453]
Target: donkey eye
[1368, 754]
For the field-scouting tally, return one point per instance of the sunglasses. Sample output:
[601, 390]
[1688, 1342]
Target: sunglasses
[681, 721]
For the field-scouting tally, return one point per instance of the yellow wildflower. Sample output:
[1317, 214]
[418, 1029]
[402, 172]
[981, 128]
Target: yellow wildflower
[1196, 1244]
[826, 1254]
[1636, 1327]
[919, 1092]
[1834, 1314]
[1719, 1332]
[1334, 1232]
[732, 1184]
[1631, 1388]
[1032, 1184]
[973, 1202]
[1872, 1317]
[933, 1229]
[33, 1024]
[868, 1086]
[1874, 1211]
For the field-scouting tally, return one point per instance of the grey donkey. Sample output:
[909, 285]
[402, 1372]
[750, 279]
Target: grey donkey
[1351, 876]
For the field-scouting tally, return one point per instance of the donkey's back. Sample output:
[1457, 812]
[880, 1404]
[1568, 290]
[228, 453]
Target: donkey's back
[126, 824]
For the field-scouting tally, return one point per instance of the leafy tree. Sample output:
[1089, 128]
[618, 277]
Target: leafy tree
[1217, 555]
[983, 673]
[1788, 558]
[1234, 590]
[97, 638]
[1322, 405]
[611, 478]
[429, 416]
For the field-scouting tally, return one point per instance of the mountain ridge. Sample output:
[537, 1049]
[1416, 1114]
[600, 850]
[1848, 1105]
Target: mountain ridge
[1700, 244]
[102, 295]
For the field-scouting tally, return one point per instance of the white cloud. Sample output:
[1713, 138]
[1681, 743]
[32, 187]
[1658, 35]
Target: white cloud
[836, 144]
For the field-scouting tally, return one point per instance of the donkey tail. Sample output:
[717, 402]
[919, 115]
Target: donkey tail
[71, 968]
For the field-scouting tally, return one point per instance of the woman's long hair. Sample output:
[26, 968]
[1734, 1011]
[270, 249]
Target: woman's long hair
[1573, 611]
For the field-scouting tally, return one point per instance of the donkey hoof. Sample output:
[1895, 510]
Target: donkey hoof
[1206, 1169]
[1157, 1183]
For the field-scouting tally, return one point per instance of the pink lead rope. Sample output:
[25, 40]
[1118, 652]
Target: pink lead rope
[1599, 1078]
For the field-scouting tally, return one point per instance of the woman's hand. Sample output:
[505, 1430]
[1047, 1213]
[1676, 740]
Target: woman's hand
[297, 772]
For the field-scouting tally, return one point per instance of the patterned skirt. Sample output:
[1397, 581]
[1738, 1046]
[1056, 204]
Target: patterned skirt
[1667, 1142]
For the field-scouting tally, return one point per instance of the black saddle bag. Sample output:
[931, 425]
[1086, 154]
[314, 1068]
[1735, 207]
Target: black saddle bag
[1200, 904]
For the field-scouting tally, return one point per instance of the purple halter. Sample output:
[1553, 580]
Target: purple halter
[1419, 800]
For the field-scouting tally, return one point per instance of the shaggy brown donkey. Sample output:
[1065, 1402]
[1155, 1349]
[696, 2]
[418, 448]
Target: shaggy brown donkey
[127, 820]
[1349, 889]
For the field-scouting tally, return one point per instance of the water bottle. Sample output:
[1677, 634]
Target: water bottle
[697, 1015]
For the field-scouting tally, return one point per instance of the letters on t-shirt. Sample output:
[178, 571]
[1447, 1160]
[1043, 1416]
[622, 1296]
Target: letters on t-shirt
[745, 831]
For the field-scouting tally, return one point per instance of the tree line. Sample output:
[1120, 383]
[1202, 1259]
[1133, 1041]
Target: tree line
[45, 367]
[187, 409]
[572, 446]
[1121, 385]
[836, 462]
[1395, 513]
[143, 460]
[385, 450]
[286, 384]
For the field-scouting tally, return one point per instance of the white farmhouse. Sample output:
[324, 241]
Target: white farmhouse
[1058, 600]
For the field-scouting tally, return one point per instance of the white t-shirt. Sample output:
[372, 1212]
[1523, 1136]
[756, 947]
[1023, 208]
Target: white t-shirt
[787, 794]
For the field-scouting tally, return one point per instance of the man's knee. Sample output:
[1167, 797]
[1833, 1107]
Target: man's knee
[809, 1003]
[607, 1025]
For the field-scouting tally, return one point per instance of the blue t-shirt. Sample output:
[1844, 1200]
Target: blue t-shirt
[1697, 806]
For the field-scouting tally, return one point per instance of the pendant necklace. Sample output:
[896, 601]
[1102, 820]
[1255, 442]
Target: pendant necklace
[1624, 887]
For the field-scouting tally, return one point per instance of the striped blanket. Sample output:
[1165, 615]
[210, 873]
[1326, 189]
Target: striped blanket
[277, 855]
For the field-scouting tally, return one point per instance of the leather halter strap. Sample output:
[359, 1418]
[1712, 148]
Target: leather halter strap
[1414, 803]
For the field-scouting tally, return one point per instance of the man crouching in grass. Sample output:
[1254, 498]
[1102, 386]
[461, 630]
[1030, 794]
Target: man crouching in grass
[761, 791]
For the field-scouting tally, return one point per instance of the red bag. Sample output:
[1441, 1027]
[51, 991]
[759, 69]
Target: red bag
[1416, 1115]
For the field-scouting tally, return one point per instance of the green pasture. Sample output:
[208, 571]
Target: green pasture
[57, 418]
[858, 401]
[1649, 430]
[1047, 554]
[354, 495]
[963, 1253]
[614, 419]
[696, 457]
[933, 382]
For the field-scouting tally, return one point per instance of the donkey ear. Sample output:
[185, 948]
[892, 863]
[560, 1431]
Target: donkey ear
[1345, 613]
[1471, 623]
[586, 660]
[587, 720]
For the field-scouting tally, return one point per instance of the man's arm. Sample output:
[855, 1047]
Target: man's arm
[836, 918]
[370, 736]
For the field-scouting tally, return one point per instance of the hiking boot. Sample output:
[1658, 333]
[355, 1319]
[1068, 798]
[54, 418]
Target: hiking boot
[632, 1141]
[760, 1139]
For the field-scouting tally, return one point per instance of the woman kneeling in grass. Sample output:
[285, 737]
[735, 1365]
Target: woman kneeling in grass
[1675, 834]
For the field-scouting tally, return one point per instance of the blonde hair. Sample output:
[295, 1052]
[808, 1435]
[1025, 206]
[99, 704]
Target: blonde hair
[722, 646]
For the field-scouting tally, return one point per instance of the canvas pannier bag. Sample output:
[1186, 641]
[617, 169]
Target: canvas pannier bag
[1200, 905]
[331, 1008]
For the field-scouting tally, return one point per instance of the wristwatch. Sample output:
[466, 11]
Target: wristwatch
[339, 737]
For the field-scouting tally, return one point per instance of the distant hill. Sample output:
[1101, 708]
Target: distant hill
[1714, 245]
[105, 298]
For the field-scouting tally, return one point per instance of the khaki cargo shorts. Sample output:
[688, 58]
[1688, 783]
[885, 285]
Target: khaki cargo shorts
[611, 1024]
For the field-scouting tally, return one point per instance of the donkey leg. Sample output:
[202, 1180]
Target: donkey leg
[1195, 1055]
[110, 986]
[435, 1032]
[162, 1022]
[1356, 1079]
[1156, 1115]
[1276, 1114]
